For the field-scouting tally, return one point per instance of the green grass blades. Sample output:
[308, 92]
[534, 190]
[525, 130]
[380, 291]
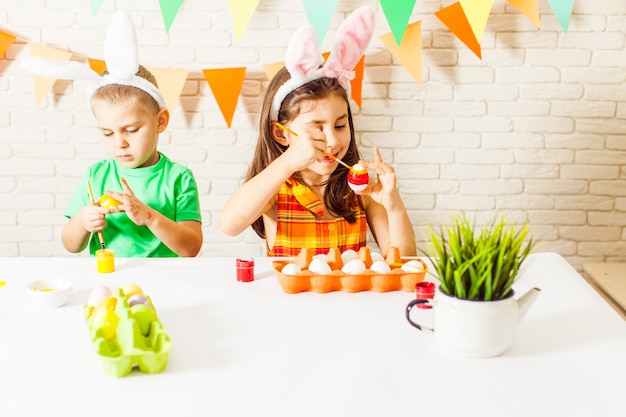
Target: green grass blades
[478, 263]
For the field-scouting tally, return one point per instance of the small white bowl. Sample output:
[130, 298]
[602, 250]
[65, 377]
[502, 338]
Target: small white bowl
[50, 293]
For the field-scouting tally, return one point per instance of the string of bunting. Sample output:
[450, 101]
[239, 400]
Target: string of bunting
[466, 19]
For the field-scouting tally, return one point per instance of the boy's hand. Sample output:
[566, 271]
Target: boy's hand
[135, 209]
[92, 218]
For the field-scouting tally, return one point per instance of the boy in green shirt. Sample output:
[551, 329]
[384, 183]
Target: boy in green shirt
[159, 214]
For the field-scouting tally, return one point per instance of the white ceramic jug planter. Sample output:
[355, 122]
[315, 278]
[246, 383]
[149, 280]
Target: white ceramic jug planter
[475, 328]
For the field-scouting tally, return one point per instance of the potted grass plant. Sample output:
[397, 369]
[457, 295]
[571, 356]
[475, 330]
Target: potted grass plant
[476, 313]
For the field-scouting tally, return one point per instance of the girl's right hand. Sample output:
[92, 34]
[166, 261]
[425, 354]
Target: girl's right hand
[305, 149]
[92, 218]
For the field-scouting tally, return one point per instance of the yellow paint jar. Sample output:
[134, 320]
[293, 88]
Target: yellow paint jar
[105, 261]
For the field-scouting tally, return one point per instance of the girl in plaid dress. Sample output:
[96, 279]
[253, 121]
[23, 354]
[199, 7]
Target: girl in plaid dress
[296, 194]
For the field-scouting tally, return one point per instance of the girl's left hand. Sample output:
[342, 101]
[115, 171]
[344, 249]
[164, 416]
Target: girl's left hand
[135, 209]
[384, 190]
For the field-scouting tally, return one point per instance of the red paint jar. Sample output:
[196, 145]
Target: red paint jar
[423, 291]
[245, 270]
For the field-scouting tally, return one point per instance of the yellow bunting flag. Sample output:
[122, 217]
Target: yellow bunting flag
[241, 12]
[409, 52]
[44, 84]
[529, 9]
[454, 18]
[5, 41]
[273, 68]
[97, 65]
[226, 85]
[171, 82]
[477, 13]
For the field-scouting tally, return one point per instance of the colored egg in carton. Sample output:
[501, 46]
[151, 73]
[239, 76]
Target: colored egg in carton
[349, 271]
[125, 331]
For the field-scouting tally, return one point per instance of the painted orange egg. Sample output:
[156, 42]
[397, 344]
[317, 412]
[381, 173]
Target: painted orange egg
[358, 178]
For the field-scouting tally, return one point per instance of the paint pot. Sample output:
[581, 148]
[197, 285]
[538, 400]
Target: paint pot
[245, 270]
[423, 291]
[105, 261]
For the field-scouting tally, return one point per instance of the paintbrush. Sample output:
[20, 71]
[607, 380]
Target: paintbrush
[93, 202]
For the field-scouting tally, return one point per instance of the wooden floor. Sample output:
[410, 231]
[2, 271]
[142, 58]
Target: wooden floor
[609, 280]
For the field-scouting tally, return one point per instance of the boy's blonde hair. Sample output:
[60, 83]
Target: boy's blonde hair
[128, 95]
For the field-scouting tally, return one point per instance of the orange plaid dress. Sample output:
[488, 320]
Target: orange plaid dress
[300, 224]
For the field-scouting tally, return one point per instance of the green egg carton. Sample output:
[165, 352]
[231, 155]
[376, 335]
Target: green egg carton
[130, 348]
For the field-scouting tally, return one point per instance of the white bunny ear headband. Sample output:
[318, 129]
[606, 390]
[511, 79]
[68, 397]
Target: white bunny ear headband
[120, 55]
[304, 57]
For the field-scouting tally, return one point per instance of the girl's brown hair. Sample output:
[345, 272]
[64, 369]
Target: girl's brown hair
[125, 94]
[338, 196]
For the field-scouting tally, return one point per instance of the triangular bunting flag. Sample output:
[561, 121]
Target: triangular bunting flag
[43, 84]
[226, 85]
[273, 68]
[529, 9]
[95, 6]
[454, 18]
[409, 53]
[5, 41]
[319, 13]
[171, 82]
[562, 9]
[477, 13]
[398, 14]
[356, 84]
[97, 65]
[241, 12]
[169, 10]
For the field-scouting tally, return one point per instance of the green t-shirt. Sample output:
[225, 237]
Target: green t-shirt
[167, 187]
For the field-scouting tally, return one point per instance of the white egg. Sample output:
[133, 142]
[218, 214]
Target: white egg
[354, 267]
[381, 267]
[412, 266]
[98, 294]
[376, 257]
[291, 269]
[348, 255]
[319, 267]
[320, 256]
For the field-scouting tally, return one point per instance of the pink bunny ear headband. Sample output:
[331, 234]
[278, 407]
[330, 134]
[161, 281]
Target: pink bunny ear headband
[304, 57]
[120, 55]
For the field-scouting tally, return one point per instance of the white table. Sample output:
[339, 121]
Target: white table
[248, 349]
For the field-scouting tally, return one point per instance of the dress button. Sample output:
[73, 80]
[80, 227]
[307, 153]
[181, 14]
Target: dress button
[331, 227]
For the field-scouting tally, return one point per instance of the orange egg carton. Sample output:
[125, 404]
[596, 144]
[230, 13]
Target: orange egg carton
[337, 280]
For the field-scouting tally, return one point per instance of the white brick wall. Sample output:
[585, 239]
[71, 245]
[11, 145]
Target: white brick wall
[535, 129]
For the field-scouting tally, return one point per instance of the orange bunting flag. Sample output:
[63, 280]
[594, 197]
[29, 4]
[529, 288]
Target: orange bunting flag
[356, 84]
[241, 12]
[98, 65]
[171, 82]
[477, 13]
[5, 41]
[409, 52]
[43, 85]
[273, 68]
[226, 85]
[529, 9]
[454, 18]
